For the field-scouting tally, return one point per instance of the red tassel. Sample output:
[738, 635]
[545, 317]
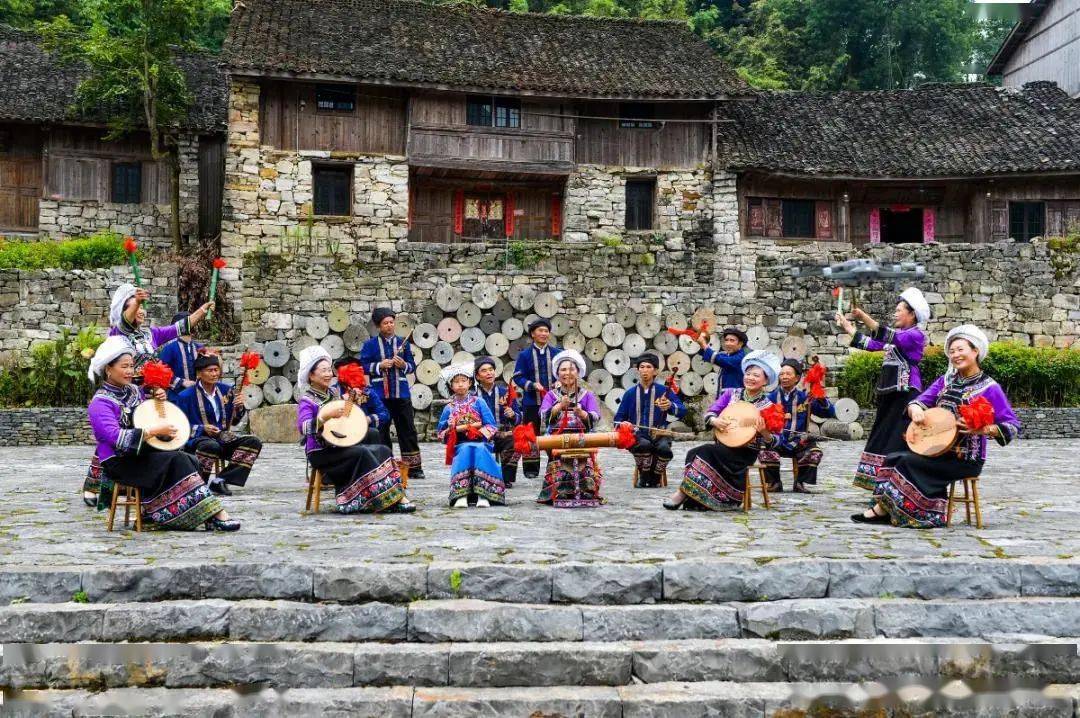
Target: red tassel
[815, 374]
[451, 444]
[130, 246]
[817, 391]
[250, 360]
[625, 437]
[774, 418]
[979, 414]
[511, 394]
[524, 439]
[157, 375]
[219, 263]
[671, 383]
[352, 376]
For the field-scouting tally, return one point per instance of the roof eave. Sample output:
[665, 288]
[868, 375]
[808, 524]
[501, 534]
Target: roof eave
[839, 176]
[445, 87]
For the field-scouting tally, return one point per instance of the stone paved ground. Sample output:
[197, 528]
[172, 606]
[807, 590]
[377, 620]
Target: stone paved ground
[1030, 506]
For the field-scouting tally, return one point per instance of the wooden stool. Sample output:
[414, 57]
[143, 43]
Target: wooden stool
[971, 498]
[132, 497]
[314, 491]
[663, 478]
[747, 502]
[403, 469]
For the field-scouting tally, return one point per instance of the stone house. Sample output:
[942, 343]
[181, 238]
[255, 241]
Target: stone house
[1043, 45]
[60, 177]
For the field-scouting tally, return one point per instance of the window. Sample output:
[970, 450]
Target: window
[5, 141]
[127, 182]
[1027, 220]
[483, 111]
[333, 190]
[798, 217]
[636, 115]
[639, 203]
[335, 98]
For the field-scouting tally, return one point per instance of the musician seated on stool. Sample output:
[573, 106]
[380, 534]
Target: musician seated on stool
[647, 406]
[715, 474]
[173, 494]
[573, 478]
[912, 489]
[213, 409]
[467, 426]
[506, 409]
[364, 476]
[371, 402]
[795, 442]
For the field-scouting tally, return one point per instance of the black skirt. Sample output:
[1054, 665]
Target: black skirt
[886, 436]
[715, 475]
[914, 489]
[365, 478]
[174, 496]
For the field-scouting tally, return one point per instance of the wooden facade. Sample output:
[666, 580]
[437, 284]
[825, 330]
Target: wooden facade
[20, 177]
[682, 144]
[79, 165]
[962, 210]
[1045, 48]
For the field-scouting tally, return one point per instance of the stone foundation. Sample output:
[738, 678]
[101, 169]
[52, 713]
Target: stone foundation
[1036, 422]
[41, 427]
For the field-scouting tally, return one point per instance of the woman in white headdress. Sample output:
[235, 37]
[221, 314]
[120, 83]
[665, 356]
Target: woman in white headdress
[127, 319]
[571, 481]
[715, 474]
[365, 478]
[899, 381]
[467, 426]
[912, 490]
[174, 496]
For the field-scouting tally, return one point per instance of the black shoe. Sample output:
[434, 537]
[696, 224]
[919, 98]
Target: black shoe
[863, 519]
[219, 488]
[402, 507]
[216, 524]
[672, 506]
[416, 473]
[800, 488]
[775, 488]
[90, 501]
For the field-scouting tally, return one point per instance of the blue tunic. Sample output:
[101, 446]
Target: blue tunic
[533, 366]
[798, 406]
[392, 384]
[730, 367]
[639, 407]
[180, 356]
[498, 391]
[219, 411]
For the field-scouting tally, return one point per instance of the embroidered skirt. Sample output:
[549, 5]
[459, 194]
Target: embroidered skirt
[572, 482]
[365, 479]
[174, 496]
[475, 471]
[715, 475]
[886, 436]
[914, 489]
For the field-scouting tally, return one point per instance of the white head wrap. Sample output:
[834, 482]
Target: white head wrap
[308, 359]
[119, 298]
[915, 299]
[569, 355]
[107, 352]
[462, 369]
[767, 362]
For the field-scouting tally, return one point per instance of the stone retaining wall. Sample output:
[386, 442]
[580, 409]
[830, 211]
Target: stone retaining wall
[1036, 422]
[41, 427]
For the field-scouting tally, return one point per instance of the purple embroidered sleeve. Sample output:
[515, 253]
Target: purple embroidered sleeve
[591, 405]
[720, 404]
[549, 401]
[1007, 422]
[867, 343]
[105, 422]
[910, 342]
[162, 335]
[306, 417]
[929, 397]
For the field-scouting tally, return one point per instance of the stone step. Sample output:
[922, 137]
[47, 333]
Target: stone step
[472, 620]
[499, 665]
[666, 700]
[626, 583]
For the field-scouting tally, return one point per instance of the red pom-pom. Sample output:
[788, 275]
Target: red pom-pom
[815, 374]
[219, 263]
[978, 415]
[129, 245]
[836, 292]
[774, 418]
[157, 375]
[352, 376]
[524, 439]
[624, 435]
[250, 360]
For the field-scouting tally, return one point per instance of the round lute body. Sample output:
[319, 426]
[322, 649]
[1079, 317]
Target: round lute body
[349, 429]
[936, 435]
[153, 412]
[742, 418]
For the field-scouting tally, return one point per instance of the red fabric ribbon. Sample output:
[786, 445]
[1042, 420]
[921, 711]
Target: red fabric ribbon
[451, 444]
[511, 394]
[671, 384]
[624, 435]
[524, 439]
[979, 414]
[157, 375]
[774, 418]
[694, 334]
[352, 376]
[815, 381]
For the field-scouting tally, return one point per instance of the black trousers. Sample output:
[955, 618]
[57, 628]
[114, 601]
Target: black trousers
[530, 465]
[651, 457]
[240, 455]
[401, 413]
[504, 452]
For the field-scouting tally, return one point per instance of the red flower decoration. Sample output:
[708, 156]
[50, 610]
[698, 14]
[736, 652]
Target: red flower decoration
[836, 292]
[129, 245]
[774, 418]
[511, 394]
[352, 376]
[524, 439]
[624, 435]
[250, 360]
[979, 414]
[157, 375]
[219, 263]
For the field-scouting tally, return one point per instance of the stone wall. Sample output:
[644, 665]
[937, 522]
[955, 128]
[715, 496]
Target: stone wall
[1036, 422]
[35, 306]
[38, 427]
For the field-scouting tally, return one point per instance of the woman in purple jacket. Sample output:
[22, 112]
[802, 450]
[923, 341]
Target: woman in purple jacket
[912, 489]
[173, 494]
[899, 381]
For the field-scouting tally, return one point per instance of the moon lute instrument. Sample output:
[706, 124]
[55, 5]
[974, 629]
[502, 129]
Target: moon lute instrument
[349, 429]
[742, 418]
[935, 436]
[153, 412]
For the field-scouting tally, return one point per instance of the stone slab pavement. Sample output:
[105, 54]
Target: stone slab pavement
[1030, 493]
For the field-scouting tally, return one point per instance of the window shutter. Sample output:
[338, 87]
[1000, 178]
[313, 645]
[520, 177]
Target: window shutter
[508, 214]
[556, 215]
[459, 212]
[756, 219]
[1055, 219]
[823, 224]
[875, 226]
[999, 220]
[774, 222]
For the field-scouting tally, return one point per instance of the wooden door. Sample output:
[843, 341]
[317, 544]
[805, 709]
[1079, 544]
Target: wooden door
[211, 185]
[20, 189]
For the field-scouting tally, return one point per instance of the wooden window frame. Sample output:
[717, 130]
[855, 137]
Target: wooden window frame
[316, 169]
[494, 103]
[339, 90]
[639, 181]
[126, 193]
[637, 116]
[1027, 205]
[776, 204]
[804, 204]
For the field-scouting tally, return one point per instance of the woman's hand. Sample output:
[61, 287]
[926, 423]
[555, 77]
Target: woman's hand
[859, 314]
[199, 314]
[163, 431]
[158, 394]
[918, 414]
[719, 424]
[702, 340]
[335, 413]
[141, 295]
[846, 324]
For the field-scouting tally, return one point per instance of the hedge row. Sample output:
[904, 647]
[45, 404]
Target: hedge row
[103, 249]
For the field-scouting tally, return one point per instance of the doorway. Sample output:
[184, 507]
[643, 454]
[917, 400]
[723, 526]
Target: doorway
[901, 225]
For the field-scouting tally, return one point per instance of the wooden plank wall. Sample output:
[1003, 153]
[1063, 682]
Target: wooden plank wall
[433, 208]
[448, 109]
[1063, 191]
[672, 146]
[289, 120]
[20, 177]
[1051, 50]
[79, 165]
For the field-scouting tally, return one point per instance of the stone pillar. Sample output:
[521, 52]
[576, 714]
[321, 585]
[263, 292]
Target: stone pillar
[730, 274]
[188, 155]
[240, 199]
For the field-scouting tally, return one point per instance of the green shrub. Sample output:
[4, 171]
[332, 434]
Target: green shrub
[1030, 376]
[103, 249]
[55, 373]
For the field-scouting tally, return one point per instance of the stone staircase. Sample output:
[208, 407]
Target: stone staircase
[681, 638]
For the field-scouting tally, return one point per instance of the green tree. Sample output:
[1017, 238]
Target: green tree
[130, 50]
[24, 13]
